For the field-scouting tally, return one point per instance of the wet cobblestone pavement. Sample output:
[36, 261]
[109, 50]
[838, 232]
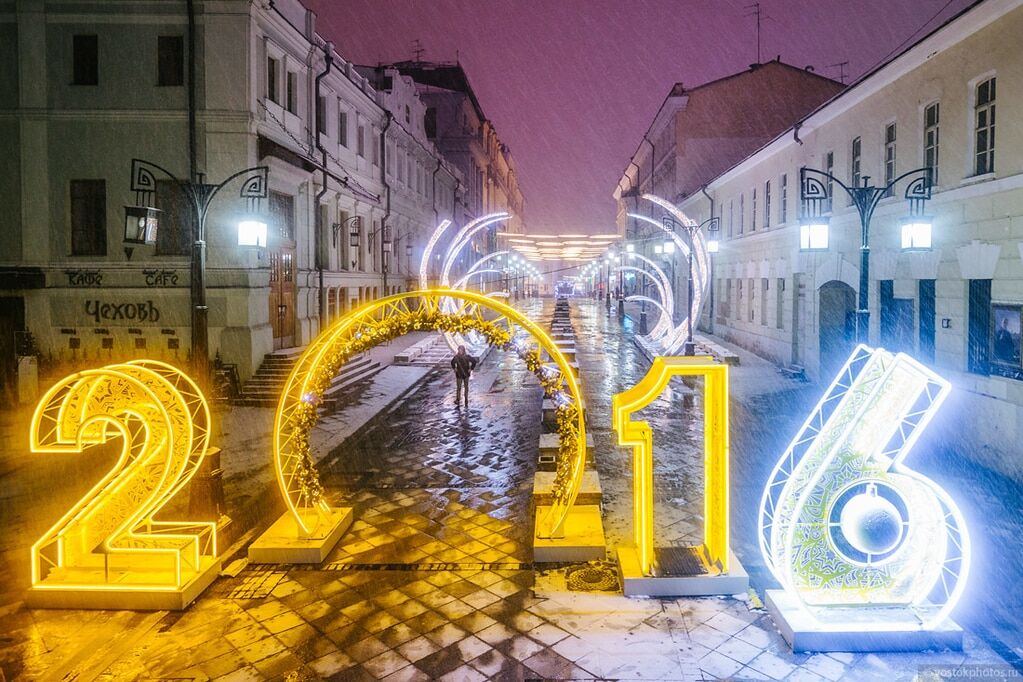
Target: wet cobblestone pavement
[435, 579]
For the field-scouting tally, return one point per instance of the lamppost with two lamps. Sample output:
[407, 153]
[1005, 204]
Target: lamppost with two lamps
[814, 226]
[141, 223]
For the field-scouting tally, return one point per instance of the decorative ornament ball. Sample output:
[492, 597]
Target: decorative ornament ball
[870, 523]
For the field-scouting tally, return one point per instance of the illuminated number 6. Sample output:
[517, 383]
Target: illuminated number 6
[108, 551]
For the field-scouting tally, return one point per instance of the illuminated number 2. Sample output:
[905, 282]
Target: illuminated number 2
[109, 539]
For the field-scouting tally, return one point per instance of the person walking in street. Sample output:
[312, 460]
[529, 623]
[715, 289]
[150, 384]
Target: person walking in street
[463, 364]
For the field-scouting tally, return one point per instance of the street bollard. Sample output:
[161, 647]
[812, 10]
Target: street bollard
[206, 492]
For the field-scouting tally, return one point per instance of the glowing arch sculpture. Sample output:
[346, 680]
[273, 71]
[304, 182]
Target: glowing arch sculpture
[309, 516]
[858, 540]
[673, 341]
[108, 550]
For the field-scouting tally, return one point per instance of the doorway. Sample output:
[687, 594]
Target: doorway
[837, 320]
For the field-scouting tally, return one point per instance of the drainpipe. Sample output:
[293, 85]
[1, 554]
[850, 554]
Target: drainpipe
[328, 58]
[711, 273]
[192, 137]
[387, 186]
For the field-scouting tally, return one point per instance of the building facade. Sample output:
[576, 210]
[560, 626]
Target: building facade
[699, 132]
[955, 306]
[457, 125]
[355, 185]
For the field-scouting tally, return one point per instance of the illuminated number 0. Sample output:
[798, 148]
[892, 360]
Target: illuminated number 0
[109, 540]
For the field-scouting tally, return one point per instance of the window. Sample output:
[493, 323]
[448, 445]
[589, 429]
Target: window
[1005, 341]
[430, 123]
[321, 115]
[984, 116]
[765, 285]
[85, 56]
[292, 101]
[753, 211]
[401, 166]
[731, 216]
[377, 137]
[88, 217]
[742, 212]
[752, 302]
[282, 216]
[829, 166]
[855, 166]
[738, 299]
[779, 304]
[360, 141]
[342, 127]
[273, 73]
[174, 238]
[170, 60]
[767, 204]
[408, 114]
[931, 119]
[390, 159]
[979, 326]
[783, 207]
[926, 298]
[889, 157]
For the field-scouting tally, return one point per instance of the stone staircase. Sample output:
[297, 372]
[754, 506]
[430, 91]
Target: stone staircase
[436, 354]
[265, 386]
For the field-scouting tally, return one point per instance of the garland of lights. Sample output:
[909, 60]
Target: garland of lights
[417, 320]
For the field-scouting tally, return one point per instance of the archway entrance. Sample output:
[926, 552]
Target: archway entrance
[837, 319]
[387, 318]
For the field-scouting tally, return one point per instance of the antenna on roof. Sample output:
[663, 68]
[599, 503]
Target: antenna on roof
[841, 70]
[761, 17]
[417, 50]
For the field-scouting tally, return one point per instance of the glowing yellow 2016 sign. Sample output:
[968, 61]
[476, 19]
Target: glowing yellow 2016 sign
[109, 540]
[715, 439]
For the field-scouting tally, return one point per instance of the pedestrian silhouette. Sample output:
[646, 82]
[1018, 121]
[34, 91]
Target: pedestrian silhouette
[463, 364]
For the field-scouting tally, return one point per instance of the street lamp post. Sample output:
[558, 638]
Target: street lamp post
[712, 225]
[814, 195]
[200, 195]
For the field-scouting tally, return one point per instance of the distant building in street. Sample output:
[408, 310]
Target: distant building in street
[356, 183]
[456, 124]
[956, 306]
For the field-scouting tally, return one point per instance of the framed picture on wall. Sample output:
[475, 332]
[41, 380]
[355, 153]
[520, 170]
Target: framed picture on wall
[1005, 340]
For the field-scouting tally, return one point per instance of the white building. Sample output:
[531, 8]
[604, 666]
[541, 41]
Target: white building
[91, 86]
[932, 105]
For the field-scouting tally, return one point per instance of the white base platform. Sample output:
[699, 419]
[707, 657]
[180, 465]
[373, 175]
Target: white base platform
[583, 541]
[282, 542]
[590, 492]
[858, 630]
[114, 596]
[635, 583]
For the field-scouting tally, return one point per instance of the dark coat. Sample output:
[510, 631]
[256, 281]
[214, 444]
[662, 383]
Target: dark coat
[463, 364]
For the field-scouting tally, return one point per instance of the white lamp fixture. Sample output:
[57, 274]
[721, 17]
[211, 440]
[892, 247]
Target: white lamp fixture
[630, 248]
[916, 234]
[252, 233]
[713, 246]
[669, 248]
[658, 249]
[813, 235]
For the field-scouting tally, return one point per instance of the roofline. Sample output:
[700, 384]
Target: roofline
[679, 90]
[860, 83]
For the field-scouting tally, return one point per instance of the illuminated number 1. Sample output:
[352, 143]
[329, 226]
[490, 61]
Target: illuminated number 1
[109, 539]
[715, 454]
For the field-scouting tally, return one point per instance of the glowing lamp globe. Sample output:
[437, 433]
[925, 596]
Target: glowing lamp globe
[870, 523]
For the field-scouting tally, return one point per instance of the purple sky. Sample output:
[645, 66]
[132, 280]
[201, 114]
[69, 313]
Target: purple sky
[571, 85]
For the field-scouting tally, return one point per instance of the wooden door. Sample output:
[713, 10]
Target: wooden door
[282, 269]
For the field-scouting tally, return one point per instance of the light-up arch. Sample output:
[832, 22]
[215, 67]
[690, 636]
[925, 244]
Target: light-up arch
[662, 326]
[674, 340]
[386, 318]
[665, 323]
[461, 239]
